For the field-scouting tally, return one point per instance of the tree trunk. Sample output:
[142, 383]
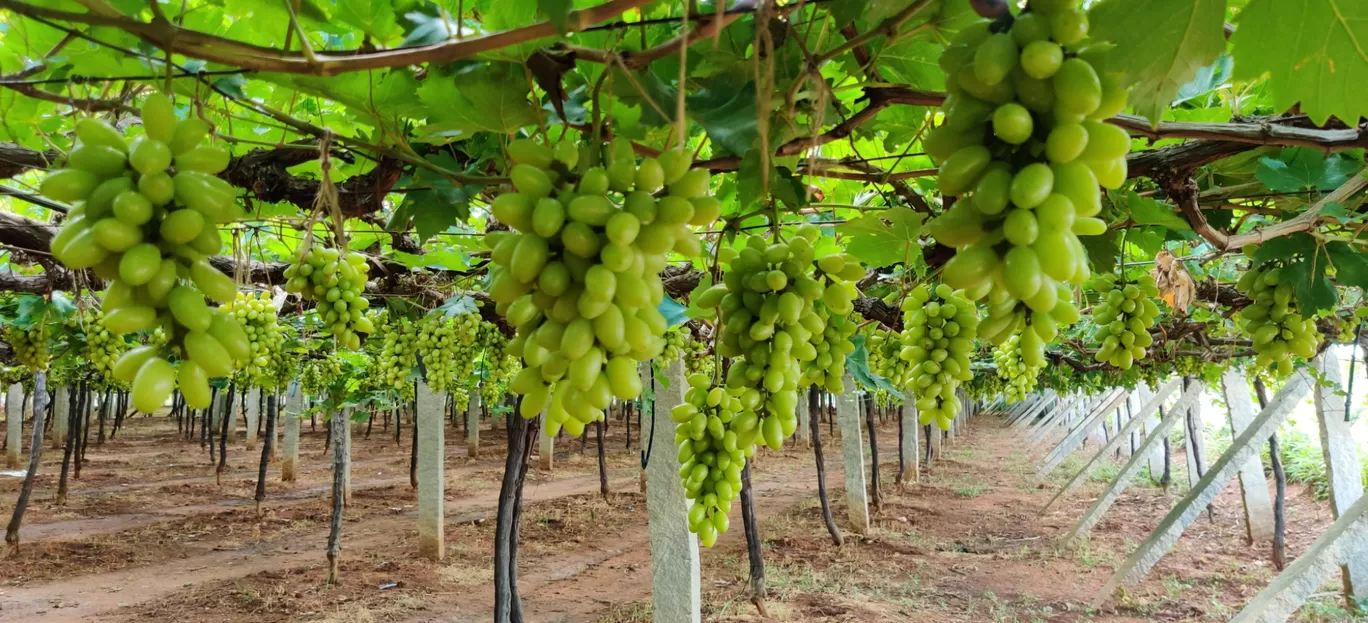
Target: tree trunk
[413, 459]
[757, 559]
[267, 447]
[85, 436]
[223, 438]
[118, 414]
[603, 465]
[73, 429]
[815, 426]
[335, 425]
[872, 424]
[521, 436]
[35, 457]
[1280, 486]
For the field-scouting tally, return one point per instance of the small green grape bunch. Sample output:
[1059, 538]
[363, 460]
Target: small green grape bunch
[578, 275]
[1025, 146]
[767, 321]
[939, 328]
[337, 281]
[831, 340]
[317, 374]
[1012, 367]
[398, 354]
[710, 454]
[102, 347]
[495, 384]
[256, 313]
[1007, 318]
[1123, 318]
[150, 228]
[30, 345]
[1274, 321]
[460, 399]
[448, 348]
[883, 347]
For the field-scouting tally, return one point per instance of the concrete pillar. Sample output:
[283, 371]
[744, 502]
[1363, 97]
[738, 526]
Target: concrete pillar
[61, 411]
[804, 430]
[546, 450]
[1344, 542]
[1195, 430]
[14, 429]
[253, 404]
[431, 473]
[347, 448]
[1076, 436]
[852, 457]
[1258, 507]
[675, 589]
[1248, 444]
[294, 406]
[280, 408]
[235, 411]
[473, 425]
[1341, 465]
[909, 450]
[936, 437]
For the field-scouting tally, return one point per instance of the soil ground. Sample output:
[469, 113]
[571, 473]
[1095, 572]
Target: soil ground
[149, 534]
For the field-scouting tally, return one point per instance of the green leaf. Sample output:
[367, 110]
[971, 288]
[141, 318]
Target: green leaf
[373, 17]
[857, 364]
[1314, 290]
[457, 305]
[1336, 211]
[1285, 247]
[557, 12]
[884, 238]
[1177, 39]
[1102, 251]
[674, 313]
[492, 98]
[1302, 168]
[1314, 51]
[728, 115]
[1146, 211]
[1208, 79]
[432, 210]
[1351, 267]
[375, 96]
[694, 310]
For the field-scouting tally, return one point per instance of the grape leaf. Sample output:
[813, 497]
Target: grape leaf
[1351, 267]
[373, 17]
[489, 98]
[857, 364]
[884, 238]
[1147, 211]
[728, 115]
[1284, 247]
[1313, 288]
[456, 305]
[1315, 52]
[1179, 37]
[1302, 168]
[557, 12]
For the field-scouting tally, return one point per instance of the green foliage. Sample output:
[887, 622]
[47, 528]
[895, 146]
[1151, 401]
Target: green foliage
[1327, 73]
[1177, 39]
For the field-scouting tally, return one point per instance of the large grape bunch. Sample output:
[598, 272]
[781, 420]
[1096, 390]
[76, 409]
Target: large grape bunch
[257, 315]
[1274, 321]
[578, 276]
[30, 345]
[449, 347]
[711, 454]
[317, 374]
[398, 353]
[767, 321]
[1025, 146]
[102, 347]
[1123, 319]
[1032, 329]
[939, 327]
[1012, 367]
[337, 281]
[150, 231]
[831, 330]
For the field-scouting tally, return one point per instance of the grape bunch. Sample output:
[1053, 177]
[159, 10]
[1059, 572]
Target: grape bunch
[500, 369]
[337, 281]
[681, 344]
[711, 454]
[831, 332]
[939, 328]
[317, 374]
[257, 315]
[151, 231]
[1007, 319]
[1013, 368]
[30, 345]
[578, 275]
[1025, 147]
[1123, 319]
[1274, 321]
[398, 353]
[767, 322]
[449, 347]
[102, 348]
[884, 347]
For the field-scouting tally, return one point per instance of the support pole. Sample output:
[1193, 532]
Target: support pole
[61, 411]
[1342, 468]
[431, 474]
[14, 425]
[803, 432]
[546, 450]
[253, 403]
[675, 583]
[294, 406]
[1071, 440]
[473, 426]
[910, 437]
[852, 457]
[1258, 508]
[1195, 430]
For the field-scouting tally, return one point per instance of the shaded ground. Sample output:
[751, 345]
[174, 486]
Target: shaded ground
[149, 536]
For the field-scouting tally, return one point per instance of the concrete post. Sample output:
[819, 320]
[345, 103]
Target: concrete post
[294, 407]
[675, 589]
[804, 430]
[1341, 465]
[1074, 437]
[546, 450]
[1258, 507]
[1195, 430]
[473, 426]
[14, 425]
[1344, 542]
[852, 457]
[908, 450]
[347, 449]
[253, 403]
[61, 410]
[280, 408]
[1200, 496]
[936, 437]
[431, 473]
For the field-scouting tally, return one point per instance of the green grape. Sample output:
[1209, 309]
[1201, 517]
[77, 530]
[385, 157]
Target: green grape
[317, 374]
[398, 354]
[1123, 318]
[337, 281]
[883, 348]
[1019, 375]
[30, 345]
[824, 363]
[579, 274]
[149, 230]
[258, 317]
[939, 328]
[449, 347]
[710, 453]
[1023, 148]
[680, 344]
[1274, 321]
[102, 347]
